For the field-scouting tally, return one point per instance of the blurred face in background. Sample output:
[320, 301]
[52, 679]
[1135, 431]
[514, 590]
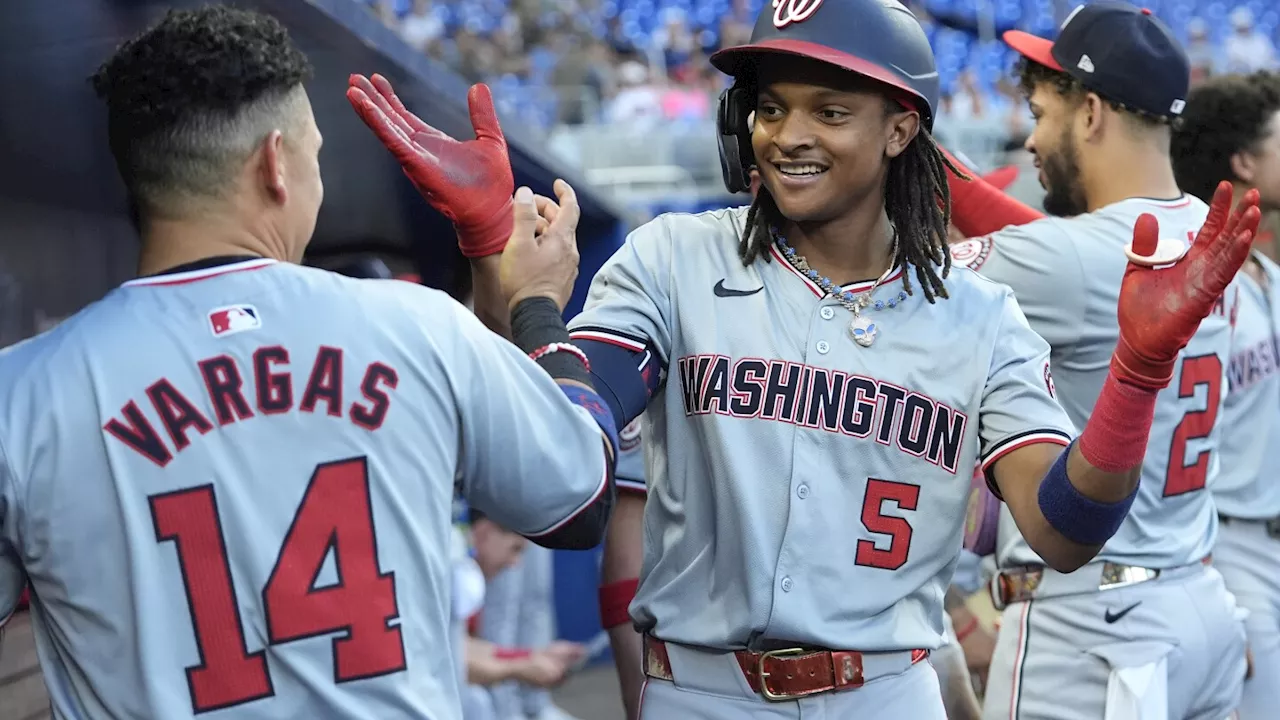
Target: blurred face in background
[1056, 151]
[1259, 166]
[496, 547]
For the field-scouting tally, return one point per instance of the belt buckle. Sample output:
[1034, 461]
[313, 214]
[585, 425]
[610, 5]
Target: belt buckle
[760, 673]
[1117, 575]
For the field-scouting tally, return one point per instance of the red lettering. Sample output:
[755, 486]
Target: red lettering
[177, 413]
[372, 417]
[325, 383]
[139, 434]
[225, 386]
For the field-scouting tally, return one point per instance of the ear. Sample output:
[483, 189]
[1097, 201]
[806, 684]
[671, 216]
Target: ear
[1091, 116]
[1243, 167]
[272, 166]
[901, 129]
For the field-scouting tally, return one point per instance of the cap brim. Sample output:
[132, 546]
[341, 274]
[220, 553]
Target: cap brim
[1032, 47]
[1003, 177]
[732, 61]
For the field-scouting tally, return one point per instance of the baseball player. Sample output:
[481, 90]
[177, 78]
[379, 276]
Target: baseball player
[816, 385]
[1117, 636]
[1231, 129]
[230, 481]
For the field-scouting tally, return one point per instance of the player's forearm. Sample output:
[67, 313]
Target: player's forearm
[628, 656]
[488, 665]
[487, 300]
[620, 567]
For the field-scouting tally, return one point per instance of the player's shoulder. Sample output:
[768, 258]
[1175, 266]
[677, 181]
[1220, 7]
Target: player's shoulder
[682, 232]
[968, 286]
[382, 299]
[1177, 214]
[1047, 236]
[95, 324]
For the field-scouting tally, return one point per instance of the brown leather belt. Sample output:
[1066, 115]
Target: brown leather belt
[786, 674]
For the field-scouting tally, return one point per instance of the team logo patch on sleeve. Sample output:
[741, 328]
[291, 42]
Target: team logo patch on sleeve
[1048, 382]
[971, 253]
[233, 319]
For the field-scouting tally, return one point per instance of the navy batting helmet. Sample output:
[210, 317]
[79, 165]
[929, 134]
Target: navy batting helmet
[879, 39]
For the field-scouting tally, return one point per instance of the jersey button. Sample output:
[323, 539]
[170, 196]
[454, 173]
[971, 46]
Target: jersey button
[802, 492]
[786, 584]
[823, 346]
[827, 313]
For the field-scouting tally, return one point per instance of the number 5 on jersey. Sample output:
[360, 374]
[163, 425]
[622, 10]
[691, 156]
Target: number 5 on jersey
[335, 515]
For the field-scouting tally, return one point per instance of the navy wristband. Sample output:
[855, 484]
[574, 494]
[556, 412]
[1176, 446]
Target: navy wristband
[592, 403]
[1077, 517]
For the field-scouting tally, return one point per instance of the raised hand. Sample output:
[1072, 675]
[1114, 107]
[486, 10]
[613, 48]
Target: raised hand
[541, 259]
[1164, 298]
[469, 182]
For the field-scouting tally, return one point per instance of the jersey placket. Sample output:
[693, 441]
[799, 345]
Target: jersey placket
[827, 339]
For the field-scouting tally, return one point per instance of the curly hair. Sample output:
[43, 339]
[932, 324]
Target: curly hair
[1225, 115]
[1032, 74]
[194, 94]
[917, 201]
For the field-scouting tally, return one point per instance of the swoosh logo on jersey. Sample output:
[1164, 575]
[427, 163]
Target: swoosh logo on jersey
[721, 291]
[1112, 617]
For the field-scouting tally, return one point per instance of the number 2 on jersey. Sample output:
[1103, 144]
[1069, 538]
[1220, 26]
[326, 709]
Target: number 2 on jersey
[335, 514]
[1206, 371]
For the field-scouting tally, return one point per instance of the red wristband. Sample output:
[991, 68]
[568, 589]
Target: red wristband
[615, 599]
[1115, 438]
[504, 653]
[967, 630]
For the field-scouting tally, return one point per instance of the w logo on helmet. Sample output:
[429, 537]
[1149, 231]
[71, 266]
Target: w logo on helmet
[786, 12]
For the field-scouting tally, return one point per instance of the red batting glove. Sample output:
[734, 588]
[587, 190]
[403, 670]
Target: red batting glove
[469, 182]
[1160, 309]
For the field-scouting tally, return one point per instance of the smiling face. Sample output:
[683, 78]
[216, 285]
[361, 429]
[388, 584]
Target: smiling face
[823, 137]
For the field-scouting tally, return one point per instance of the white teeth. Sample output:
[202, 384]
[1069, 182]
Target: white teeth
[801, 169]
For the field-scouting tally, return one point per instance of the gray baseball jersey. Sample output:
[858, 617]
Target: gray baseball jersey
[1066, 274]
[231, 488]
[1246, 485]
[803, 488]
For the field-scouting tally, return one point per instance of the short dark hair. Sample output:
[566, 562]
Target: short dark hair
[917, 200]
[1032, 74]
[1224, 116]
[186, 97]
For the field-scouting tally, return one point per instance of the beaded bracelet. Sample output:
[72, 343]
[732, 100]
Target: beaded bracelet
[554, 347]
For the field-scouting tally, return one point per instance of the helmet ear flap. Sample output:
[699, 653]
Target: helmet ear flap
[734, 120]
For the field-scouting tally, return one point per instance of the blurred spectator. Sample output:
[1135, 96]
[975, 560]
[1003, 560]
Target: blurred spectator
[638, 104]
[1200, 51]
[673, 43]
[422, 26]
[1247, 49]
[585, 61]
[967, 102]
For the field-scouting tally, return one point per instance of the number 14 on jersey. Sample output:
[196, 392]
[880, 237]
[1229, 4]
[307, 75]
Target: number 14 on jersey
[336, 516]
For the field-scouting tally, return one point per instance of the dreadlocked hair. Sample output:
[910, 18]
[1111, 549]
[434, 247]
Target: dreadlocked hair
[917, 201]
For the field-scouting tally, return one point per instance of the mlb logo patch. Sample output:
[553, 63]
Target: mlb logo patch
[233, 319]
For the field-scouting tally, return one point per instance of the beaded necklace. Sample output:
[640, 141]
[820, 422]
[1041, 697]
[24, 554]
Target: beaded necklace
[862, 329]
